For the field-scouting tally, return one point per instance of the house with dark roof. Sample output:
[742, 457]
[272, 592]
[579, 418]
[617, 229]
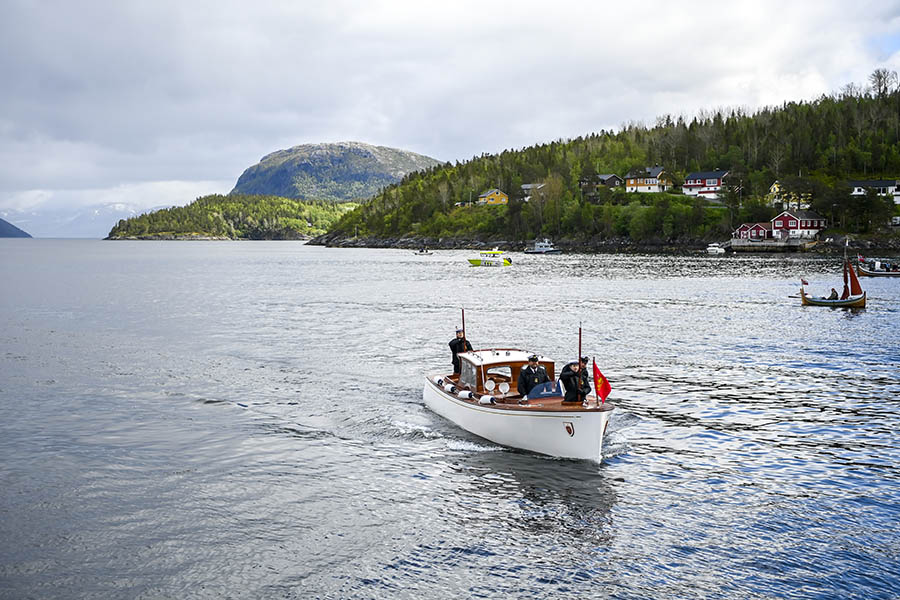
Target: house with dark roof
[707, 184]
[590, 185]
[882, 187]
[493, 196]
[787, 225]
[530, 189]
[651, 179]
[797, 224]
[753, 231]
[610, 180]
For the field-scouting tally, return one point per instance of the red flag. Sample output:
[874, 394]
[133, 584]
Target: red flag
[803, 281]
[601, 384]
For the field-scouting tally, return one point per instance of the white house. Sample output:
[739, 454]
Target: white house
[707, 184]
[651, 179]
[882, 187]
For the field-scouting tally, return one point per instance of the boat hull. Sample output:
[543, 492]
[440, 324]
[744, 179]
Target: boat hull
[864, 272]
[489, 262]
[554, 251]
[858, 301]
[574, 434]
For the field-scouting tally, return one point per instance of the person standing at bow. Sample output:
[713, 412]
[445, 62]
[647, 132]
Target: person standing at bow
[574, 378]
[457, 345]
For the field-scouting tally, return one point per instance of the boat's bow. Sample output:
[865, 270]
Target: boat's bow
[545, 426]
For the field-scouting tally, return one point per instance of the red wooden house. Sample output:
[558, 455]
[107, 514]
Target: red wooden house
[797, 223]
[753, 231]
[707, 184]
[788, 224]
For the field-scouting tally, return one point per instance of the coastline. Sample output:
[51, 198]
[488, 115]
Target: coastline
[881, 244]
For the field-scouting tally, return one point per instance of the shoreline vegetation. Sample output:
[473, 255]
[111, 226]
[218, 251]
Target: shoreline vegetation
[889, 245]
[837, 156]
[235, 216]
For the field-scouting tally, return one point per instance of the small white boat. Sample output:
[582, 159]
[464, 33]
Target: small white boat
[423, 252]
[715, 248]
[482, 400]
[490, 258]
[543, 246]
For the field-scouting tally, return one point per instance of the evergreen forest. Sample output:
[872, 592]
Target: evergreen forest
[812, 148]
[236, 216]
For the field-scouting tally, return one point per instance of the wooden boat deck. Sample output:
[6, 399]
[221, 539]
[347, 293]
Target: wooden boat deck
[512, 401]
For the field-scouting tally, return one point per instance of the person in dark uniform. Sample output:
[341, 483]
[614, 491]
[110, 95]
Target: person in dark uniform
[574, 378]
[457, 345]
[531, 375]
[583, 371]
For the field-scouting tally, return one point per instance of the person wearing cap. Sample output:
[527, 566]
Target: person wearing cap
[583, 370]
[531, 375]
[575, 379]
[457, 345]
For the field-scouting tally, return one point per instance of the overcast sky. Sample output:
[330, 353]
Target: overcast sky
[157, 102]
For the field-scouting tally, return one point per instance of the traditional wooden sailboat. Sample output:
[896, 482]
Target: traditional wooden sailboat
[481, 399]
[853, 295]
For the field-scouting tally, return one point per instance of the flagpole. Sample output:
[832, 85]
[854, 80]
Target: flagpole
[464, 328]
[578, 362]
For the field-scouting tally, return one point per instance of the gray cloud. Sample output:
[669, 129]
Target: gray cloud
[115, 96]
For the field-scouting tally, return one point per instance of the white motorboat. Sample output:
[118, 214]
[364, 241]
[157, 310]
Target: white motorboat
[543, 246]
[715, 248]
[482, 400]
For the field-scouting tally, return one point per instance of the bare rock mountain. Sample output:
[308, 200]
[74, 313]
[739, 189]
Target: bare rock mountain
[340, 172]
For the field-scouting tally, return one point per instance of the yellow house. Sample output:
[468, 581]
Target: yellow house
[493, 196]
[787, 199]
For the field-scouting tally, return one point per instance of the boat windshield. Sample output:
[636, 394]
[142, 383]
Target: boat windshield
[467, 374]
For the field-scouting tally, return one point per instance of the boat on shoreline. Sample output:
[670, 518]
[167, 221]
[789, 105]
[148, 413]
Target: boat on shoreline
[853, 295]
[715, 248]
[876, 268]
[544, 246]
[482, 399]
[490, 258]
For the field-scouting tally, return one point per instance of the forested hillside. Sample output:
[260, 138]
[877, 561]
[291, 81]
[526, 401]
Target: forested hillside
[236, 216]
[813, 148]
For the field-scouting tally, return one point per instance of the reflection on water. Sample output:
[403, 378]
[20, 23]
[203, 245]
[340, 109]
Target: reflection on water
[245, 420]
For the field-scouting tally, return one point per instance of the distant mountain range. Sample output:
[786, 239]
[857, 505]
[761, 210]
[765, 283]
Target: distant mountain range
[92, 221]
[341, 172]
[7, 229]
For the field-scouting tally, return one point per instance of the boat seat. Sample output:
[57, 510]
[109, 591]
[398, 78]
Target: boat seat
[551, 389]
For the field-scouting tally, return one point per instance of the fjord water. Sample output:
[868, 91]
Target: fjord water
[245, 420]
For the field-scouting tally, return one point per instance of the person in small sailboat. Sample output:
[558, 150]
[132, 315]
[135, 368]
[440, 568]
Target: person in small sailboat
[834, 294]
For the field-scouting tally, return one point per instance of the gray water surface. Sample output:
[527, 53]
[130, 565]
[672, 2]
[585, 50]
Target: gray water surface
[245, 420]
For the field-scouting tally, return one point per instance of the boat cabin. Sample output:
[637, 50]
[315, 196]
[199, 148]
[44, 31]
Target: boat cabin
[496, 370]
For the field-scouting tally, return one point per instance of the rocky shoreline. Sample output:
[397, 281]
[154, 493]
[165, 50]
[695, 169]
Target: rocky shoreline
[197, 237]
[889, 245]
